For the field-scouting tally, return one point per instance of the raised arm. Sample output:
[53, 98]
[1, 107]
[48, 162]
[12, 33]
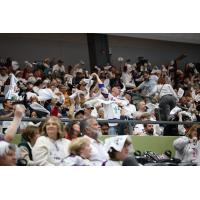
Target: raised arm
[12, 129]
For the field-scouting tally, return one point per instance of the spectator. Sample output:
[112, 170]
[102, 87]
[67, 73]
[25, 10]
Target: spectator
[3, 74]
[80, 152]
[141, 109]
[12, 129]
[149, 130]
[139, 128]
[52, 147]
[112, 110]
[187, 147]
[104, 128]
[88, 110]
[127, 76]
[73, 130]
[7, 154]
[91, 130]
[130, 109]
[118, 148]
[59, 67]
[7, 108]
[79, 115]
[168, 98]
[147, 86]
[29, 137]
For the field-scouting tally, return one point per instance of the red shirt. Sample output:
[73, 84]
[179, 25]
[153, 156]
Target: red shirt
[54, 111]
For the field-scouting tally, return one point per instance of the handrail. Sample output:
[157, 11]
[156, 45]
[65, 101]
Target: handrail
[103, 121]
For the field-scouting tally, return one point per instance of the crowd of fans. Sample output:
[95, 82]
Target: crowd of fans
[139, 91]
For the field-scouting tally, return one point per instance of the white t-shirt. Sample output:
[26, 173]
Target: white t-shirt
[130, 109]
[76, 161]
[186, 151]
[98, 154]
[50, 152]
[58, 68]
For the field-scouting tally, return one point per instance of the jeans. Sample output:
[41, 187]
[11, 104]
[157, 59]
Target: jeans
[166, 104]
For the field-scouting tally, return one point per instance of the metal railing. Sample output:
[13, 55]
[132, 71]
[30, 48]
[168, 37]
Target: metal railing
[103, 121]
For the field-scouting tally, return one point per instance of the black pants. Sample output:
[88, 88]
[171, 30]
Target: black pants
[166, 104]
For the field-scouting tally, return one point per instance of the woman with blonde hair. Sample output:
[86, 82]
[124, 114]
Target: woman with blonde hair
[51, 148]
[80, 152]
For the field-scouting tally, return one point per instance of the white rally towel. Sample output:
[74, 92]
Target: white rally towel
[45, 94]
[175, 110]
[31, 94]
[12, 88]
[180, 93]
[38, 107]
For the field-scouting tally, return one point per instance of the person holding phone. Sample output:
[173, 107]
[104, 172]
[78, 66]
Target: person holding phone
[188, 147]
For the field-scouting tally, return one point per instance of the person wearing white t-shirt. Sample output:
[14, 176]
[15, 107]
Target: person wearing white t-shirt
[130, 109]
[51, 148]
[59, 67]
[118, 148]
[187, 147]
[91, 130]
[80, 152]
[112, 109]
[3, 75]
[141, 109]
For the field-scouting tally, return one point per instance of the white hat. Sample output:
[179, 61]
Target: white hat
[28, 64]
[32, 79]
[120, 59]
[116, 142]
[46, 81]
[32, 124]
[88, 105]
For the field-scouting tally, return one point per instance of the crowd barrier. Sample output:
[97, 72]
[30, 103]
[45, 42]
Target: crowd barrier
[158, 144]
